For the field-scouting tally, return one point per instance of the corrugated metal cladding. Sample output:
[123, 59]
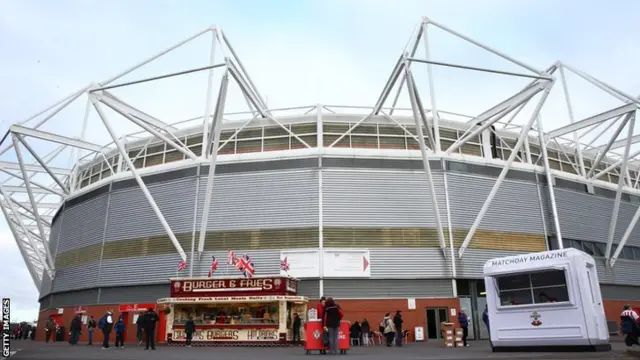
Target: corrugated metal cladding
[265, 262]
[45, 287]
[129, 210]
[263, 200]
[387, 288]
[409, 263]
[76, 277]
[133, 294]
[83, 224]
[309, 288]
[54, 235]
[515, 208]
[380, 199]
[74, 298]
[585, 216]
[620, 292]
[472, 262]
[625, 272]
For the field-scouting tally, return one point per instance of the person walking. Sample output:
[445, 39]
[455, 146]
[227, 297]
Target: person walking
[106, 325]
[463, 319]
[485, 320]
[75, 328]
[139, 328]
[366, 331]
[150, 320]
[389, 329]
[397, 322]
[49, 326]
[91, 325]
[189, 329]
[295, 328]
[119, 329]
[331, 317]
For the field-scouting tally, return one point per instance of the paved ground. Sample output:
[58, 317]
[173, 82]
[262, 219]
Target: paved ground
[28, 350]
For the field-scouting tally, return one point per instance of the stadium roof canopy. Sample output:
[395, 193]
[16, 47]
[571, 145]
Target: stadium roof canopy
[35, 184]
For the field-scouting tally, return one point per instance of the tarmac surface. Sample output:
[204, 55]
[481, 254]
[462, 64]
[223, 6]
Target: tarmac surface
[479, 350]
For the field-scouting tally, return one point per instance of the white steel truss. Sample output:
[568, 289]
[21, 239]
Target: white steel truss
[29, 204]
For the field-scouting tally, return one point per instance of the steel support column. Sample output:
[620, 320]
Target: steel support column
[425, 160]
[503, 174]
[547, 172]
[213, 157]
[50, 263]
[136, 175]
[207, 107]
[623, 175]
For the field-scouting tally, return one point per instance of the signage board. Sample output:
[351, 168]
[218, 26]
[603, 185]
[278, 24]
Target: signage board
[528, 259]
[233, 287]
[349, 263]
[302, 263]
[81, 310]
[135, 307]
[214, 335]
[230, 299]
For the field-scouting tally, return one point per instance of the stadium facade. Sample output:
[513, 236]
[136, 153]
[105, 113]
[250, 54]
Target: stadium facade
[364, 209]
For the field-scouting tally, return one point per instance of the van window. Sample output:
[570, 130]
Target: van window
[546, 286]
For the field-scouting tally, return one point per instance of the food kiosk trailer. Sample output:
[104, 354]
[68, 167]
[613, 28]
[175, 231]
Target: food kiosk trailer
[547, 301]
[233, 311]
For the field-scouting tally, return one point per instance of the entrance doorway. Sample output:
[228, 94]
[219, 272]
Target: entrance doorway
[434, 317]
[472, 295]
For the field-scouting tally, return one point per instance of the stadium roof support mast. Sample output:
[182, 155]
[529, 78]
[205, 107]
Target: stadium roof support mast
[34, 245]
[542, 81]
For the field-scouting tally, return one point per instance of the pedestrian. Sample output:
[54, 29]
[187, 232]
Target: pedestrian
[189, 329]
[366, 331]
[389, 329]
[106, 325]
[119, 329]
[320, 312]
[397, 322]
[91, 325]
[150, 320]
[295, 328]
[331, 317]
[75, 328]
[485, 320]
[463, 319]
[49, 326]
[139, 328]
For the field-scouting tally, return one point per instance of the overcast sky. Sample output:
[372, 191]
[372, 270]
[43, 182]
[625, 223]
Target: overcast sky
[297, 53]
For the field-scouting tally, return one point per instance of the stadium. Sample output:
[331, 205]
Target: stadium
[383, 208]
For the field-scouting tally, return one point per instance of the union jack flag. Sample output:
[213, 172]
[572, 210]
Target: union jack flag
[214, 266]
[182, 265]
[284, 264]
[231, 257]
[245, 265]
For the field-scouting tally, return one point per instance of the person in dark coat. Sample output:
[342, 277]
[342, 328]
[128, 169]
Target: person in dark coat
[49, 326]
[397, 322]
[295, 328]
[355, 332]
[120, 328]
[139, 328]
[75, 328]
[189, 329]
[331, 317]
[150, 320]
[91, 326]
[366, 331]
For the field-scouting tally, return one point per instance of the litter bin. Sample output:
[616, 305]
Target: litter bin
[343, 336]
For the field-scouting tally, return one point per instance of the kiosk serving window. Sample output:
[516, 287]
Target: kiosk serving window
[228, 314]
[533, 288]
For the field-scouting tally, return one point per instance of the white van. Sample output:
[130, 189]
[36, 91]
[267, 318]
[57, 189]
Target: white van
[547, 301]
